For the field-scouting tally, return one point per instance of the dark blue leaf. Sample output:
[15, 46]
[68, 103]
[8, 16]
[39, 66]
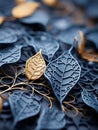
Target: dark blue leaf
[7, 36]
[24, 105]
[63, 73]
[10, 54]
[51, 119]
[90, 99]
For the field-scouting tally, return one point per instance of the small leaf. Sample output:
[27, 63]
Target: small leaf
[90, 99]
[35, 66]
[24, 9]
[1, 104]
[10, 54]
[51, 119]
[63, 73]
[24, 105]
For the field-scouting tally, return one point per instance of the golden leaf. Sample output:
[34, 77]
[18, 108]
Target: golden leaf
[2, 19]
[50, 2]
[87, 54]
[35, 66]
[1, 104]
[25, 9]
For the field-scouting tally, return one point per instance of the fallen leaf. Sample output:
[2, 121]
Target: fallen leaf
[63, 73]
[25, 9]
[35, 66]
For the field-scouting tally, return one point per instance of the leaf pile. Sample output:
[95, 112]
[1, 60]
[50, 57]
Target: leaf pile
[48, 65]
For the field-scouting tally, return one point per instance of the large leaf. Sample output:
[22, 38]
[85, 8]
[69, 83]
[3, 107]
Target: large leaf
[10, 54]
[47, 43]
[90, 99]
[24, 105]
[63, 73]
[51, 119]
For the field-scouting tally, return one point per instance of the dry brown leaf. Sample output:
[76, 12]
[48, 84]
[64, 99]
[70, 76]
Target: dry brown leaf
[2, 19]
[35, 66]
[1, 104]
[87, 54]
[25, 9]
[50, 2]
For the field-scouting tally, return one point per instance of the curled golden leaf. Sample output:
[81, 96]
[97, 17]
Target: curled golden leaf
[25, 9]
[87, 54]
[35, 66]
[49, 2]
[1, 104]
[2, 19]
